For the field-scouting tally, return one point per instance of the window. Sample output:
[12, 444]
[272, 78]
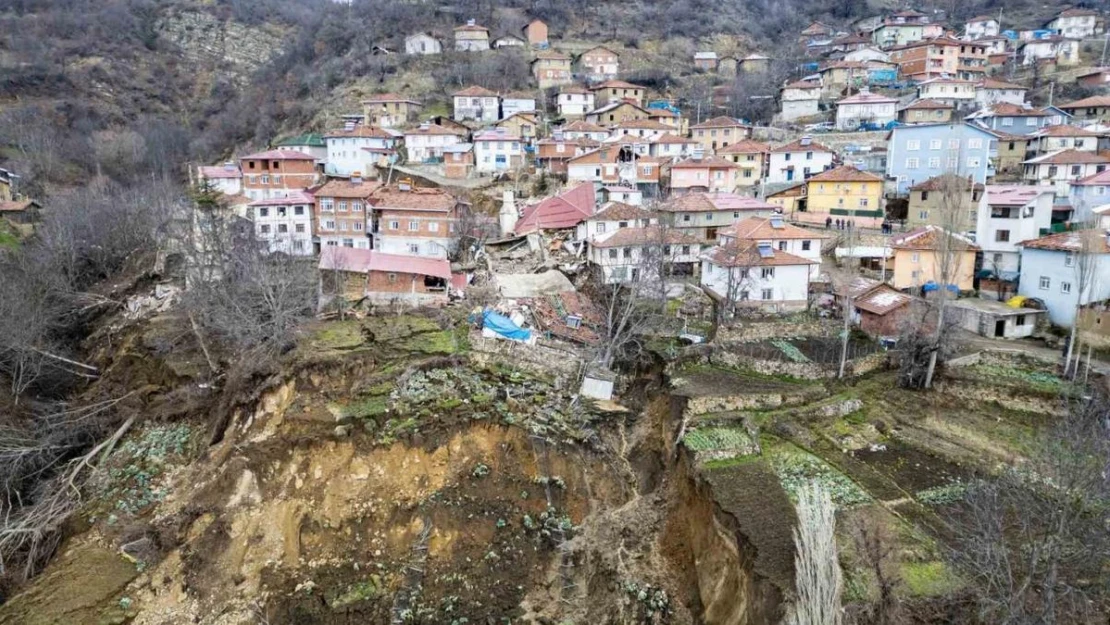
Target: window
[433, 226]
[974, 144]
[953, 144]
[782, 246]
[1065, 287]
[414, 249]
[1069, 259]
[342, 206]
[1030, 121]
[805, 246]
[1019, 320]
[626, 252]
[686, 217]
[915, 257]
[613, 254]
[809, 156]
[329, 225]
[263, 212]
[264, 228]
[768, 294]
[299, 228]
[767, 272]
[1045, 283]
[394, 225]
[283, 228]
[358, 226]
[1002, 236]
[356, 206]
[934, 163]
[265, 180]
[935, 144]
[913, 145]
[298, 211]
[786, 156]
[414, 226]
[863, 202]
[911, 163]
[327, 205]
[1075, 169]
[744, 296]
[342, 226]
[600, 227]
[1007, 121]
[685, 250]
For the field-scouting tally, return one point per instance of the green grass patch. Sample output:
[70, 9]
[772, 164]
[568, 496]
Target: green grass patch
[8, 240]
[1037, 381]
[929, 579]
[365, 408]
[366, 590]
[719, 439]
[339, 335]
[439, 342]
[796, 468]
[725, 463]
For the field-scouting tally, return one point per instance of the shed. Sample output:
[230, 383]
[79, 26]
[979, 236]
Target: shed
[598, 384]
[995, 319]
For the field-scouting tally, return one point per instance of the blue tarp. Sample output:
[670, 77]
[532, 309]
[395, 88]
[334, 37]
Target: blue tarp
[504, 326]
[933, 286]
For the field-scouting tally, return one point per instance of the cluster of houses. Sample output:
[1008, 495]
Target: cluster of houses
[952, 72]
[711, 199]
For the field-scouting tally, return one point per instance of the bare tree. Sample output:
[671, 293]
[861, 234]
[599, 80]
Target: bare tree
[950, 248]
[1033, 541]
[845, 280]
[738, 262]
[818, 579]
[1086, 248]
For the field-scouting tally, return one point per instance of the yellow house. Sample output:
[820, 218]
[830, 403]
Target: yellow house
[520, 125]
[917, 258]
[844, 193]
[927, 202]
[752, 157]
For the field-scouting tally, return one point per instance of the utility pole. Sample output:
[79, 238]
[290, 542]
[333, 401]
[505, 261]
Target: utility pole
[1105, 42]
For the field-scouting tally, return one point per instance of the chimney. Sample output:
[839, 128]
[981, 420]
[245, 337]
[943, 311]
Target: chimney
[404, 184]
[349, 125]
[470, 22]
[356, 177]
[230, 165]
[806, 140]
[425, 125]
[508, 215]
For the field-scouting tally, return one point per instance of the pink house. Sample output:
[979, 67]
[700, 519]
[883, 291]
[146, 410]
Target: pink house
[710, 173]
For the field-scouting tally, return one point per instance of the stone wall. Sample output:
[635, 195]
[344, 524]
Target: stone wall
[747, 331]
[800, 370]
[542, 359]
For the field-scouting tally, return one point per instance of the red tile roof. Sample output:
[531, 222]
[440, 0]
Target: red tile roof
[1099, 179]
[796, 146]
[708, 162]
[393, 197]
[434, 129]
[881, 299]
[713, 201]
[762, 229]
[471, 27]
[616, 211]
[363, 131]
[991, 83]
[926, 104]
[936, 183]
[1069, 157]
[845, 173]
[347, 189]
[216, 172]
[616, 84]
[1013, 194]
[1095, 101]
[1064, 130]
[866, 98]
[364, 261]
[1096, 240]
[566, 210]
[745, 253]
[279, 155]
[583, 126]
[928, 238]
[719, 122]
[474, 92]
[645, 235]
[747, 146]
[295, 197]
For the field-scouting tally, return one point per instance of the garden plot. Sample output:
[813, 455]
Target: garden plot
[796, 467]
[720, 442]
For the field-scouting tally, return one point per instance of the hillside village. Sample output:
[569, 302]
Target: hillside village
[904, 135]
[618, 346]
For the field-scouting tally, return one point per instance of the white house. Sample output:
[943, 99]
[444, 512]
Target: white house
[477, 104]
[284, 224]
[668, 145]
[990, 91]
[1006, 216]
[497, 150]
[427, 141]
[357, 147]
[508, 41]
[626, 195]
[514, 103]
[951, 91]
[865, 107]
[422, 43]
[782, 236]
[574, 102]
[1059, 169]
[755, 274]
[226, 178]
[866, 55]
[1062, 51]
[799, 160]
[1090, 200]
[981, 26]
[471, 37]
[635, 254]
[1076, 23]
[800, 100]
[1064, 137]
[584, 130]
[612, 216]
[1051, 272]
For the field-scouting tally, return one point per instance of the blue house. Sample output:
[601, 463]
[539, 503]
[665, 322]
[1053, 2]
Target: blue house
[919, 152]
[1013, 119]
[1088, 194]
[1050, 272]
